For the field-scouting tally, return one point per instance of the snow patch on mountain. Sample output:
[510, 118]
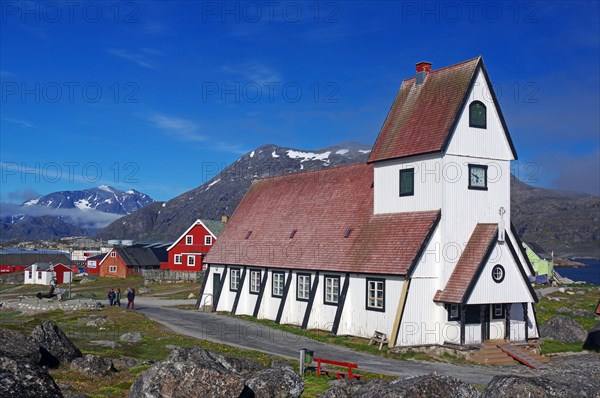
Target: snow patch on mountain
[31, 202]
[307, 156]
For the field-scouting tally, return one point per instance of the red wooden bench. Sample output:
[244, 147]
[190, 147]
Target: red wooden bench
[338, 374]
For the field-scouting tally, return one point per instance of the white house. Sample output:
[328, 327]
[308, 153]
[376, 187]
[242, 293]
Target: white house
[417, 243]
[44, 273]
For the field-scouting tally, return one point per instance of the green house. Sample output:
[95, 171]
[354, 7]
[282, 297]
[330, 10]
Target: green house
[541, 266]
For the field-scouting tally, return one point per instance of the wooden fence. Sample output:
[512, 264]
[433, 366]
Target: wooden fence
[165, 275]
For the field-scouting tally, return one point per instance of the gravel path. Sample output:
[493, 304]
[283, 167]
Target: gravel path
[245, 334]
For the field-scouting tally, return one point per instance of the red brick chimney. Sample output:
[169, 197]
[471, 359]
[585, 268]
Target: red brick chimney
[423, 69]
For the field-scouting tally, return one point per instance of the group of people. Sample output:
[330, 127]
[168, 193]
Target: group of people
[114, 297]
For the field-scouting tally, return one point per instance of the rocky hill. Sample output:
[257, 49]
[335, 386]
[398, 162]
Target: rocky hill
[37, 227]
[565, 222]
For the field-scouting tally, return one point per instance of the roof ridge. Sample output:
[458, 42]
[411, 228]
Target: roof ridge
[447, 67]
[295, 173]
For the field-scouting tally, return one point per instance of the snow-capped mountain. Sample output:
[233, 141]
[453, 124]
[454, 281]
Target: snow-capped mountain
[68, 213]
[221, 195]
[103, 198]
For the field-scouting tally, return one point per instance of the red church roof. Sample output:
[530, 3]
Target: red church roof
[321, 220]
[423, 116]
[471, 259]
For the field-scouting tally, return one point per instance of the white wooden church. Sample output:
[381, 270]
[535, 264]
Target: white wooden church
[416, 243]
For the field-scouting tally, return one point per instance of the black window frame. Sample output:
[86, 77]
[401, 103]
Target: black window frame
[239, 278]
[485, 177]
[412, 175]
[298, 275]
[367, 306]
[498, 266]
[501, 316]
[273, 283]
[253, 271]
[449, 309]
[335, 277]
[471, 107]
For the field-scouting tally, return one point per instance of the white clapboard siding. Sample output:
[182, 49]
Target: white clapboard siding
[464, 208]
[489, 143]
[427, 185]
[422, 322]
[513, 287]
[356, 320]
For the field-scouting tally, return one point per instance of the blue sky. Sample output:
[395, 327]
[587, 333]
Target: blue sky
[157, 95]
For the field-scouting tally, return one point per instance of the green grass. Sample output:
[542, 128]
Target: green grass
[354, 343]
[314, 386]
[553, 346]
[548, 308]
[152, 347]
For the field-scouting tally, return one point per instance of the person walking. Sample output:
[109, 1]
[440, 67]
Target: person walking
[117, 297]
[131, 298]
[111, 297]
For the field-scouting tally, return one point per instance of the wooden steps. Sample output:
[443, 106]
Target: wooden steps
[502, 353]
[490, 354]
[525, 357]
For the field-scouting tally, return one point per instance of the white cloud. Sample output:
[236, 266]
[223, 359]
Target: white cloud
[183, 129]
[141, 58]
[22, 123]
[254, 72]
[88, 218]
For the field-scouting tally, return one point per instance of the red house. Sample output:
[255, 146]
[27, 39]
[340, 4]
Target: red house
[187, 252]
[92, 264]
[127, 261]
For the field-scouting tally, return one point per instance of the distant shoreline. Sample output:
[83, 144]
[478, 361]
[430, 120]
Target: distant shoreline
[566, 263]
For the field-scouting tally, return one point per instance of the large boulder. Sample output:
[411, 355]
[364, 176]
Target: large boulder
[526, 387]
[18, 346]
[563, 328]
[576, 312]
[23, 379]
[425, 386]
[188, 372]
[131, 337]
[280, 382]
[93, 365]
[343, 388]
[54, 344]
[126, 363]
[592, 342]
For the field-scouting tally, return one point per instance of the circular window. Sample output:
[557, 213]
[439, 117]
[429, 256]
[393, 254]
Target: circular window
[498, 273]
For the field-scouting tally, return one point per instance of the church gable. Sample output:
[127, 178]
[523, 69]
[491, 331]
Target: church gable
[501, 280]
[480, 130]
